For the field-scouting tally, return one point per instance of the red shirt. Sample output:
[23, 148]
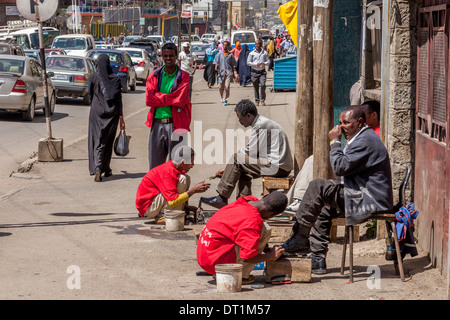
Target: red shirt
[377, 130]
[278, 41]
[238, 223]
[161, 179]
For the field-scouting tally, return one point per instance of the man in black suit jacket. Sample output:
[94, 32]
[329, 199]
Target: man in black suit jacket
[365, 188]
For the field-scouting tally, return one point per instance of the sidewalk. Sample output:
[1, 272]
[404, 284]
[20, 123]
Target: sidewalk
[64, 221]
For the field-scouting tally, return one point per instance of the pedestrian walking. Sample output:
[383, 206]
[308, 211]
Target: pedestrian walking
[286, 46]
[242, 67]
[226, 68]
[236, 50]
[258, 59]
[105, 115]
[187, 61]
[278, 42]
[169, 118]
[210, 71]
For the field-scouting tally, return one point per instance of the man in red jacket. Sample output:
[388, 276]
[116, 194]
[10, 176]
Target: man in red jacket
[168, 186]
[169, 118]
[237, 234]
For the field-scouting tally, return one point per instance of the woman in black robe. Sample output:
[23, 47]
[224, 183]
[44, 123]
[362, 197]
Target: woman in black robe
[243, 68]
[104, 117]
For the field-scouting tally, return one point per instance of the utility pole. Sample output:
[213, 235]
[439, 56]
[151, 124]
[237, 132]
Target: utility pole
[323, 81]
[230, 16]
[304, 125]
[180, 5]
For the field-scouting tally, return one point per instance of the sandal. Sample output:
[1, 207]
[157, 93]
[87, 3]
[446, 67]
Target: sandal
[281, 280]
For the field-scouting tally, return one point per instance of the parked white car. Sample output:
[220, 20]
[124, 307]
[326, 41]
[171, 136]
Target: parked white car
[75, 44]
[141, 61]
[161, 40]
[209, 37]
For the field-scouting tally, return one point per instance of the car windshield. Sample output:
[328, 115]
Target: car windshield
[11, 66]
[114, 58]
[198, 48]
[128, 39]
[158, 38]
[134, 54]
[244, 37]
[69, 63]
[5, 49]
[32, 54]
[70, 43]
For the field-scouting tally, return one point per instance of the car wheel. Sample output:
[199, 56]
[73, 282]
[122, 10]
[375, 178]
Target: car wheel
[125, 87]
[144, 82]
[29, 114]
[133, 87]
[52, 104]
[87, 99]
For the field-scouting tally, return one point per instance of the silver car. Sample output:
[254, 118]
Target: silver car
[71, 75]
[141, 61]
[22, 86]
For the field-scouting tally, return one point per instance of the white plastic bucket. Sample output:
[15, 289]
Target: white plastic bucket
[229, 277]
[174, 220]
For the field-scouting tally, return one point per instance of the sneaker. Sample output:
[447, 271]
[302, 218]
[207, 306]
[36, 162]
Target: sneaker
[293, 207]
[160, 219]
[225, 103]
[263, 103]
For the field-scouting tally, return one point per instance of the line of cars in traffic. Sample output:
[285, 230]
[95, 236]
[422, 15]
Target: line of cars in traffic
[69, 62]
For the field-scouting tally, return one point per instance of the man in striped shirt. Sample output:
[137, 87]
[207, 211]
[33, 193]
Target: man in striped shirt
[257, 60]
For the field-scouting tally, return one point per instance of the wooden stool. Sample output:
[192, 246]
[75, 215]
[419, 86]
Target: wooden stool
[270, 184]
[338, 222]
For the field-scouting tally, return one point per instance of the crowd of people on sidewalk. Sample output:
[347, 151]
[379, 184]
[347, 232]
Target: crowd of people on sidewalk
[237, 231]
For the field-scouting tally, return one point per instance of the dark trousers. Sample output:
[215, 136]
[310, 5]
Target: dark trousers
[259, 84]
[240, 172]
[322, 201]
[191, 82]
[161, 143]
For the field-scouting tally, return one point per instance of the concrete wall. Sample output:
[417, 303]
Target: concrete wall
[402, 89]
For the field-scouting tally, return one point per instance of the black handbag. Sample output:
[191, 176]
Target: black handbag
[121, 144]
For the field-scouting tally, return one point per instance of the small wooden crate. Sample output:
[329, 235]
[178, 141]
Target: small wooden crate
[297, 269]
[270, 184]
[338, 222]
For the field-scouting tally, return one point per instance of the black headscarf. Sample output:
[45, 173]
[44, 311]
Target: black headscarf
[109, 82]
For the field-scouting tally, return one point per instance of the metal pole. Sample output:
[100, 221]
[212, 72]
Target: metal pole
[41, 49]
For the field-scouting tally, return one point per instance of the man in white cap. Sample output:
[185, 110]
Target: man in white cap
[187, 61]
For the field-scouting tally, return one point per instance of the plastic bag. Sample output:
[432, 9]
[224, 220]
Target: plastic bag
[121, 145]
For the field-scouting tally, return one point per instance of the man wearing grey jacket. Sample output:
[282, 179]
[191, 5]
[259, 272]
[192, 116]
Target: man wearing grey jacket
[365, 188]
[267, 153]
